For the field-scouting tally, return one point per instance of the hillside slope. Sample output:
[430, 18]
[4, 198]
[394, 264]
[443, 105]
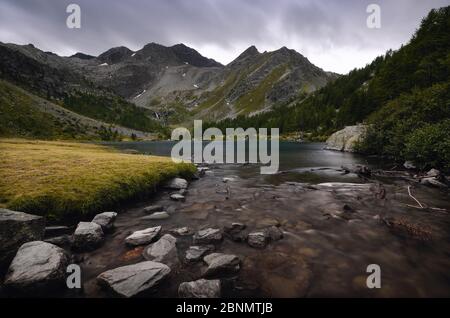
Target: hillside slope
[403, 97]
[23, 114]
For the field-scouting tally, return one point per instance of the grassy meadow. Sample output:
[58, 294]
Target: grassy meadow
[66, 181]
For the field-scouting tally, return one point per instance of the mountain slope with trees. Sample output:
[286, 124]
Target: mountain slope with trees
[403, 96]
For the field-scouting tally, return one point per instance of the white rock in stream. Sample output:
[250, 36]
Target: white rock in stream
[164, 250]
[219, 263]
[201, 288]
[177, 197]
[157, 216]
[143, 237]
[87, 236]
[37, 266]
[105, 220]
[177, 184]
[132, 280]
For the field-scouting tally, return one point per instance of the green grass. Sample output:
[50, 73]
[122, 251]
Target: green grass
[113, 110]
[67, 181]
[20, 118]
[255, 98]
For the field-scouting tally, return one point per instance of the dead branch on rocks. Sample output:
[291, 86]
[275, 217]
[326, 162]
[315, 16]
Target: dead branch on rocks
[418, 202]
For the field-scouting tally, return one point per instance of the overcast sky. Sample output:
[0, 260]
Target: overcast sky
[331, 33]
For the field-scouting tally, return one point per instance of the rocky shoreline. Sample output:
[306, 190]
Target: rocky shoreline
[184, 260]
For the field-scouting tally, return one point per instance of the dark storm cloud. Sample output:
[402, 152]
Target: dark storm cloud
[332, 34]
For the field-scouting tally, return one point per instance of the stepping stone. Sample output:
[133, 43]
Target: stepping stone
[88, 236]
[164, 251]
[208, 236]
[219, 264]
[132, 280]
[201, 288]
[143, 237]
[195, 253]
[257, 239]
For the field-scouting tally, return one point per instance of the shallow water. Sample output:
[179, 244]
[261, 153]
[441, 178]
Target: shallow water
[331, 234]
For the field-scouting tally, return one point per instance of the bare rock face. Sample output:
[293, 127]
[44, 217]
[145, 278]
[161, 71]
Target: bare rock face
[346, 139]
[105, 220]
[17, 228]
[88, 236]
[143, 237]
[132, 280]
[201, 288]
[221, 264]
[37, 266]
[164, 250]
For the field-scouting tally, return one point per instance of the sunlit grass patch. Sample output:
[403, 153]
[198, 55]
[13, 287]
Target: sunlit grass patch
[64, 180]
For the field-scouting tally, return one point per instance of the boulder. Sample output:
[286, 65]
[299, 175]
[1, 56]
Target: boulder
[132, 280]
[143, 237]
[177, 197]
[153, 208]
[221, 264]
[88, 236]
[105, 220]
[164, 250]
[176, 184]
[157, 216]
[346, 139]
[208, 236]
[37, 266]
[257, 239]
[195, 253]
[201, 288]
[17, 228]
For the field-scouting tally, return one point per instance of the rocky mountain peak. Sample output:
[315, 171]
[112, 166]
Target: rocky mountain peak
[82, 56]
[115, 55]
[191, 56]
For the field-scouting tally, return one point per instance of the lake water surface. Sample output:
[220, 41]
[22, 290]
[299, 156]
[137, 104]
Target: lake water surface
[331, 232]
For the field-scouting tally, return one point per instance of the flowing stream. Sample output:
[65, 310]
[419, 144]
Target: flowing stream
[331, 232]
